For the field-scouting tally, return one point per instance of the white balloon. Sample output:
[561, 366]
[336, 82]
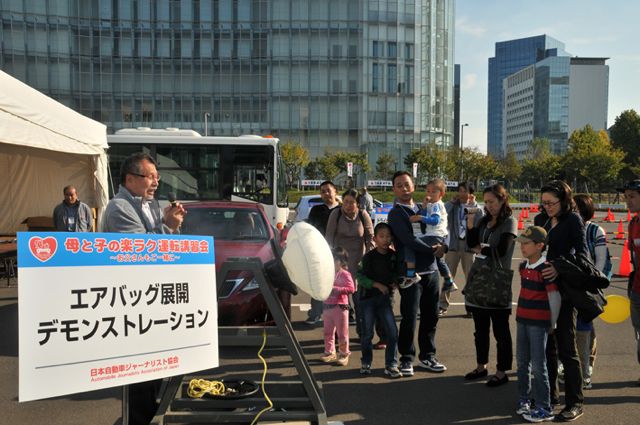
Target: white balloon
[308, 260]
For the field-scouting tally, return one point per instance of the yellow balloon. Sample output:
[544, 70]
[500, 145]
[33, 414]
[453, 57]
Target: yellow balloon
[617, 310]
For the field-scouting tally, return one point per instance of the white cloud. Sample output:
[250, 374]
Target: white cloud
[469, 81]
[473, 29]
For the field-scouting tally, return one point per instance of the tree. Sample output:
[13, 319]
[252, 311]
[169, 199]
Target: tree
[541, 164]
[385, 166]
[336, 162]
[295, 158]
[327, 168]
[590, 158]
[509, 167]
[312, 170]
[478, 166]
[625, 135]
[430, 159]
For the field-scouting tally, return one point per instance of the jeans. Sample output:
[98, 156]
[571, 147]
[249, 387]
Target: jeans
[378, 309]
[565, 349]
[635, 320]
[410, 255]
[531, 342]
[424, 296]
[316, 310]
[483, 318]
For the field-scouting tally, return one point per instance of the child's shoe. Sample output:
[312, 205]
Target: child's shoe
[539, 414]
[392, 372]
[524, 406]
[449, 285]
[343, 359]
[328, 357]
[409, 281]
[365, 369]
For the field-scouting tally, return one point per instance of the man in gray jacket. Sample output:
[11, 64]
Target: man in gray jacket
[458, 250]
[134, 210]
[72, 215]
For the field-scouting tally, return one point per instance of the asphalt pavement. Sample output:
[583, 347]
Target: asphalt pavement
[425, 398]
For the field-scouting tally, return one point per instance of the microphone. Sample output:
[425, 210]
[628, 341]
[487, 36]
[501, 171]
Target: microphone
[172, 199]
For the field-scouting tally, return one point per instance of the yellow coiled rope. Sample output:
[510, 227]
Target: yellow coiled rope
[200, 387]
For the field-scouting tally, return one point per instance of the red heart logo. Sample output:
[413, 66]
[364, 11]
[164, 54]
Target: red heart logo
[43, 249]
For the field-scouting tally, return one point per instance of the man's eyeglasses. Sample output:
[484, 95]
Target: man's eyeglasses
[150, 176]
[549, 203]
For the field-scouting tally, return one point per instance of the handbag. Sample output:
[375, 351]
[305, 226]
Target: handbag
[489, 284]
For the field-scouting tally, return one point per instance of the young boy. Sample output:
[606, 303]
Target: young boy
[536, 315]
[434, 215]
[377, 278]
[631, 192]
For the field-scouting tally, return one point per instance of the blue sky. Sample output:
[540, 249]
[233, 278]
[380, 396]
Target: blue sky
[595, 28]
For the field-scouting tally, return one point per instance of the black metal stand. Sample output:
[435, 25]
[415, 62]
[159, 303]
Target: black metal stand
[292, 400]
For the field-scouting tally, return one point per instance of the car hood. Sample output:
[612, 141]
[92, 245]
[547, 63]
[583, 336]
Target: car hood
[226, 248]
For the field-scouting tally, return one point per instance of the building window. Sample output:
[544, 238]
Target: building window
[392, 78]
[376, 78]
[408, 51]
[376, 50]
[392, 49]
[408, 72]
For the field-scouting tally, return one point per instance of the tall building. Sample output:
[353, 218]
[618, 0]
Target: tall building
[360, 75]
[551, 99]
[456, 106]
[510, 57]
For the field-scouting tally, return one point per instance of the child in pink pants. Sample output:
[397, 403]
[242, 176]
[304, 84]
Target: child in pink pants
[335, 311]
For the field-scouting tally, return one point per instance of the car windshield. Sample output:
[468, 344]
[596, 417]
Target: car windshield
[227, 224]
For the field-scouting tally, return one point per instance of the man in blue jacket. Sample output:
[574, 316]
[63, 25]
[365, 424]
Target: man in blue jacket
[423, 294]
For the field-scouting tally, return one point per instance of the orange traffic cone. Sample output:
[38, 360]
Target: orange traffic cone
[526, 213]
[628, 216]
[520, 214]
[625, 261]
[610, 216]
[534, 208]
[520, 224]
[620, 232]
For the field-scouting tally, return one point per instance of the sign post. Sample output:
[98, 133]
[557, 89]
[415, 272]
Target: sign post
[99, 310]
[349, 169]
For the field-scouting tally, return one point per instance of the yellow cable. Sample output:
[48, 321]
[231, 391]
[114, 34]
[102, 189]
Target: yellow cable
[200, 387]
[264, 375]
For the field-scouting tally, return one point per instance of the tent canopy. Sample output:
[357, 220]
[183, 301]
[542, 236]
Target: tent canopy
[45, 146]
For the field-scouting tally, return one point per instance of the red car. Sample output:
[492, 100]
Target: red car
[240, 229]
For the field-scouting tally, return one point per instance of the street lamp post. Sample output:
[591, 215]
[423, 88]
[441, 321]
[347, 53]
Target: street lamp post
[206, 127]
[461, 148]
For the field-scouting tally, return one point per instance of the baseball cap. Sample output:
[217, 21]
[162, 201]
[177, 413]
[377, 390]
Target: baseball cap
[534, 233]
[630, 185]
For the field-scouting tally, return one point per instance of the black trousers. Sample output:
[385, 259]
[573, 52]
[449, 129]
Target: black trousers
[565, 349]
[483, 318]
[142, 401]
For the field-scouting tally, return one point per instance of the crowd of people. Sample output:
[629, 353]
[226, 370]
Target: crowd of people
[566, 265]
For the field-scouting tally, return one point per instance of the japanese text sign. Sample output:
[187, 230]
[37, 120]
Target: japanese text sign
[98, 310]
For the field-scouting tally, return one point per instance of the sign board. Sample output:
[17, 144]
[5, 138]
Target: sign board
[379, 183]
[99, 310]
[415, 170]
[312, 182]
[382, 213]
[350, 169]
[451, 183]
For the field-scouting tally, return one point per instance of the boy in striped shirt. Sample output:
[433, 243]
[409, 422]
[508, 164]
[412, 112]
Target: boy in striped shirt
[536, 315]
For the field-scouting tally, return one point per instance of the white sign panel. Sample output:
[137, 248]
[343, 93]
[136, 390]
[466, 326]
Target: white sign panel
[350, 169]
[382, 213]
[98, 310]
[312, 182]
[415, 170]
[451, 183]
[379, 183]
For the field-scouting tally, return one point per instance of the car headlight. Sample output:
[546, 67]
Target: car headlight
[251, 285]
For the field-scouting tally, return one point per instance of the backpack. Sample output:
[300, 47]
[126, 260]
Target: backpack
[335, 230]
[592, 231]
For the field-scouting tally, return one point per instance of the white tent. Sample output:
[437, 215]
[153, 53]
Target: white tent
[45, 146]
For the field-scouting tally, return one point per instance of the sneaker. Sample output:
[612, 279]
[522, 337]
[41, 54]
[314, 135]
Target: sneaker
[392, 372]
[539, 415]
[569, 414]
[365, 369]
[409, 281]
[449, 286]
[561, 373]
[586, 384]
[343, 359]
[432, 365]
[328, 357]
[406, 368]
[524, 406]
[312, 321]
[442, 312]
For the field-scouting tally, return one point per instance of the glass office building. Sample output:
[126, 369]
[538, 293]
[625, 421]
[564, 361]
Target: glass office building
[510, 57]
[361, 75]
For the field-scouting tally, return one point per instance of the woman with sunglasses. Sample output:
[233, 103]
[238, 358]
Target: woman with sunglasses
[565, 236]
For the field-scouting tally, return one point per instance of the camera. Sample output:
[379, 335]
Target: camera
[471, 210]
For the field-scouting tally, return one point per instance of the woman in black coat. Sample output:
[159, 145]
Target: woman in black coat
[565, 236]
